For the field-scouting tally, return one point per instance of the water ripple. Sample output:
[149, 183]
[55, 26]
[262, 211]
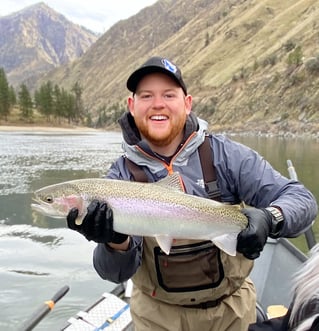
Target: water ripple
[24, 157]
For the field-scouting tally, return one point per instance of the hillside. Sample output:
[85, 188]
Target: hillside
[250, 65]
[36, 40]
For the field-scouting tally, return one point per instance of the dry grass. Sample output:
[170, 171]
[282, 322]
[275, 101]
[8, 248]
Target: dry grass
[15, 120]
[231, 51]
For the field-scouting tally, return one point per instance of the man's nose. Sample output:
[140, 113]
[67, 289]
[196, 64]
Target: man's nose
[158, 101]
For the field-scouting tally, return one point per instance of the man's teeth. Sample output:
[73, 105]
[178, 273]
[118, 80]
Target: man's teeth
[158, 117]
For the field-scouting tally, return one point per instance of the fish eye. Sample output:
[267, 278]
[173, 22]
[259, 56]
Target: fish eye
[49, 199]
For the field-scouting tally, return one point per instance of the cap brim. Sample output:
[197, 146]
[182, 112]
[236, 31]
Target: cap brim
[140, 73]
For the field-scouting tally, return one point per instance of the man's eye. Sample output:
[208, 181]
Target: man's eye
[146, 96]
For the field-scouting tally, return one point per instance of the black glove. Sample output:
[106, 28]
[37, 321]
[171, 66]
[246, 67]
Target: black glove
[97, 225]
[252, 240]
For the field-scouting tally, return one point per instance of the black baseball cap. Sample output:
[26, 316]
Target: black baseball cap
[156, 64]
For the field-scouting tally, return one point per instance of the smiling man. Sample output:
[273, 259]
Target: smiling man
[197, 286]
[159, 107]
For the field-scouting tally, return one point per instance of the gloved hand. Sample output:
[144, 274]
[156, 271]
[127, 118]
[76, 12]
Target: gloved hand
[251, 241]
[97, 225]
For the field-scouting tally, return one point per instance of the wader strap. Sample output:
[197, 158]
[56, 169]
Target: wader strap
[207, 162]
[137, 172]
[208, 304]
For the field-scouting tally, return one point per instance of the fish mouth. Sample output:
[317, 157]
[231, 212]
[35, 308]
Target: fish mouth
[45, 209]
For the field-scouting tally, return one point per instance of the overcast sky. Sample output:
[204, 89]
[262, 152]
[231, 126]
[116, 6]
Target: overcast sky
[96, 15]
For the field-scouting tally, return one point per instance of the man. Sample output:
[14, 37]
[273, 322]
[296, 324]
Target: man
[197, 286]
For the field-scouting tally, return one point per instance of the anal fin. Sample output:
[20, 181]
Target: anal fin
[165, 243]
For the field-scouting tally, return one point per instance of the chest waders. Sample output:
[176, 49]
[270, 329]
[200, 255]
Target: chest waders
[196, 274]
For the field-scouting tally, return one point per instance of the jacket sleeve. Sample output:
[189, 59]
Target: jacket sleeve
[117, 266]
[112, 265]
[243, 175]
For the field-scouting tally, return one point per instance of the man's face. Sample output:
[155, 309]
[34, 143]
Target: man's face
[160, 108]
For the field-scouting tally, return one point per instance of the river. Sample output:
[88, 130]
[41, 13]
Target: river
[38, 255]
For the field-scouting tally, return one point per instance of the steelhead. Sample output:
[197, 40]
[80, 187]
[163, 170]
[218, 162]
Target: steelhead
[161, 210]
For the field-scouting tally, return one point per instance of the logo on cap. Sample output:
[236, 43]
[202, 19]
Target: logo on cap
[169, 66]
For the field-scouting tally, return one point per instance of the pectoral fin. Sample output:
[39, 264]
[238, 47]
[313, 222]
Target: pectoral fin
[227, 243]
[165, 243]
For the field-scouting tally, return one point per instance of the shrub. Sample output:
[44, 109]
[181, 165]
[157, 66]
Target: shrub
[312, 65]
[295, 57]
[270, 60]
[289, 45]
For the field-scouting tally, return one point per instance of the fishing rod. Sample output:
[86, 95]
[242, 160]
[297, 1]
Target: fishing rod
[309, 234]
[44, 309]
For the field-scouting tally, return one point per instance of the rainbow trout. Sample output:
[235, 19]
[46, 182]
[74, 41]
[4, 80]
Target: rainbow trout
[161, 210]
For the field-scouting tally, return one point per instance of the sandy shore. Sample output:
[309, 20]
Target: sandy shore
[13, 128]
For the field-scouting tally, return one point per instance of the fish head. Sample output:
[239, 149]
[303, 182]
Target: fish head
[57, 200]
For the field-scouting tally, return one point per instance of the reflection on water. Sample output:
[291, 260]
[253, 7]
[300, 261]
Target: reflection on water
[35, 263]
[33, 273]
[39, 255]
[304, 155]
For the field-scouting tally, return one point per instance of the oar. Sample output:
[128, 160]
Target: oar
[45, 308]
[309, 233]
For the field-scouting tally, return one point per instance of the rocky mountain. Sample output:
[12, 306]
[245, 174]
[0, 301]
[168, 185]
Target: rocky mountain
[250, 64]
[36, 40]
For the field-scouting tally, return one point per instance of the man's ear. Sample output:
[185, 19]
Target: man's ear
[130, 104]
[188, 103]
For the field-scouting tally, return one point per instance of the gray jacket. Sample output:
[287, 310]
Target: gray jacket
[242, 175]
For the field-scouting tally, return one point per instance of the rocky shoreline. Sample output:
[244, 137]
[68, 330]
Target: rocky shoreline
[292, 129]
[311, 132]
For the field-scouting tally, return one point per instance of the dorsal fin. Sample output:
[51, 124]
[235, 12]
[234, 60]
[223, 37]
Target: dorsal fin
[172, 181]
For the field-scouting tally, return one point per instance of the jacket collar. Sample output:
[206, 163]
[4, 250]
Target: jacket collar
[138, 151]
